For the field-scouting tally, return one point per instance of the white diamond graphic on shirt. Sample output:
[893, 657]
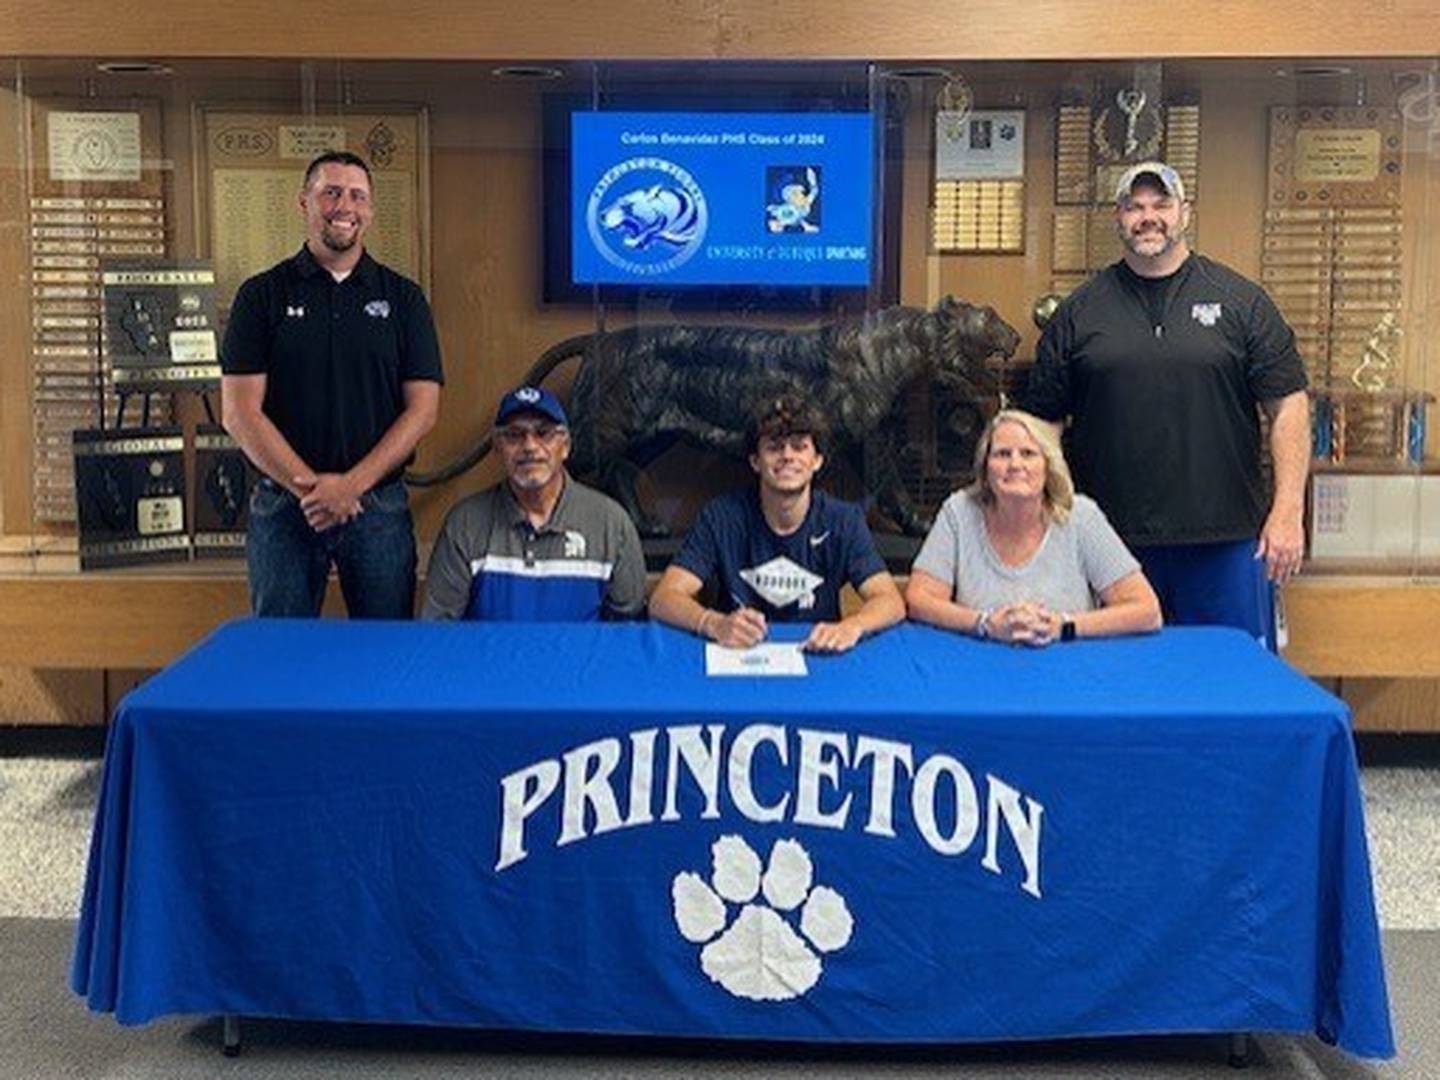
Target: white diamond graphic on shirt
[781, 582]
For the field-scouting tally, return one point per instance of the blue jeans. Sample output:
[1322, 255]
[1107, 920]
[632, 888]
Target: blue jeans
[1220, 584]
[289, 562]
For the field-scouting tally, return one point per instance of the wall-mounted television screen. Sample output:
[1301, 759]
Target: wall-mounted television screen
[737, 206]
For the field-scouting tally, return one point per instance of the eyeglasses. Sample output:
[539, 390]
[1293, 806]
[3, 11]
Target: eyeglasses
[519, 434]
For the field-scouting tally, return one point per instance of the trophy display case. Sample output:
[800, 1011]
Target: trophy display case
[568, 202]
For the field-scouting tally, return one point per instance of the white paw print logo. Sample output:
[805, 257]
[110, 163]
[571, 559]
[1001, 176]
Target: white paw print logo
[760, 956]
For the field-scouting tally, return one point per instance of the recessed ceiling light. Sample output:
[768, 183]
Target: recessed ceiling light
[527, 71]
[134, 67]
[1315, 71]
[916, 73]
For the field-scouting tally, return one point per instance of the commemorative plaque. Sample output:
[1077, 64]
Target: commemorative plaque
[130, 494]
[1072, 155]
[979, 215]
[1330, 155]
[96, 189]
[224, 479]
[160, 324]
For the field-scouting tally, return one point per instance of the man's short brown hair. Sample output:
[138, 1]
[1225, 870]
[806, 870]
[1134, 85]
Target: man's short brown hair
[786, 415]
[336, 157]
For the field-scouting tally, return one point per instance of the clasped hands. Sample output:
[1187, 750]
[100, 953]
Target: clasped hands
[328, 499]
[1024, 623]
[745, 627]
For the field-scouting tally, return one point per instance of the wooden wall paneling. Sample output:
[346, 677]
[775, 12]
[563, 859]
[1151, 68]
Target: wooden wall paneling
[120, 619]
[1411, 705]
[118, 683]
[1350, 626]
[51, 696]
[697, 29]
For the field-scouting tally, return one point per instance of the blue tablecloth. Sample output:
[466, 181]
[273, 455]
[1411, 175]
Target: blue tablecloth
[572, 827]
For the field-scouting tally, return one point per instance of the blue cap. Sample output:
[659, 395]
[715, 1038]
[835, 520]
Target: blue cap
[534, 399]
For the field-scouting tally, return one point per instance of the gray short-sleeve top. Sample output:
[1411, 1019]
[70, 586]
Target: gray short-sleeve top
[1075, 562]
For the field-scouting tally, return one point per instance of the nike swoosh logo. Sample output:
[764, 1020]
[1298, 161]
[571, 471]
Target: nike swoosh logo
[816, 541]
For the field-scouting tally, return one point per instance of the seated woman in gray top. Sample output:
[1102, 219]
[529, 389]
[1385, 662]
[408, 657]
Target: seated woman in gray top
[1019, 557]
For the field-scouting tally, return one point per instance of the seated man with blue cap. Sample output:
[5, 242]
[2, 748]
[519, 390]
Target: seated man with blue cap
[538, 546]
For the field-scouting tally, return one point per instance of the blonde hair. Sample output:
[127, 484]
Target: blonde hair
[1059, 494]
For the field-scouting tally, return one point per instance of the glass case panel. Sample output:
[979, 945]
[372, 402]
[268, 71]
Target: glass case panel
[801, 223]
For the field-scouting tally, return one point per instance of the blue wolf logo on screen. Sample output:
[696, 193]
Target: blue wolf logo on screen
[647, 216]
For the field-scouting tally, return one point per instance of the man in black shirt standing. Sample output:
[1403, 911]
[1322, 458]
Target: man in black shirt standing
[331, 375]
[1161, 363]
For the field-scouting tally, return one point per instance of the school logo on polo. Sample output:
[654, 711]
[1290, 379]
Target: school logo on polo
[760, 954]
[1205, 314]
[782, 582]
[378, 309]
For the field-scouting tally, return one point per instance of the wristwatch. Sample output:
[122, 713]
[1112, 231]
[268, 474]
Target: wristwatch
[1067, 629]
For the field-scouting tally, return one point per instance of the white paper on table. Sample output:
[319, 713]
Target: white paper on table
[767, 658]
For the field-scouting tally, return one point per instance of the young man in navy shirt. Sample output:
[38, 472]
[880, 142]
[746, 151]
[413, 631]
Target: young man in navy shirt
[780, 552]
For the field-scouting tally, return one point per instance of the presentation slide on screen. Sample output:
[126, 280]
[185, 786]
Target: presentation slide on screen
[721, 198]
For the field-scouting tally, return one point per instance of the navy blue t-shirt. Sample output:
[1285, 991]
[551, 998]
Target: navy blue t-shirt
[795, 578]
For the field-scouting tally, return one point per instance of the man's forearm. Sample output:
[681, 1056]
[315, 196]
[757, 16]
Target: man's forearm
[882, 608]
[394, 447]
[674, 608]
[1290, 452]
[269, 450]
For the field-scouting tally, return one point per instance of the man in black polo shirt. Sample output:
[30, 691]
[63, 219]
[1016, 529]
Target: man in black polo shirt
[1161, 362]
[331, 376]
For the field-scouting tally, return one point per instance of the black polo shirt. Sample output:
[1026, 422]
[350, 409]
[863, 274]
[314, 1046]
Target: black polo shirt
[1165, 432]
[335, 354]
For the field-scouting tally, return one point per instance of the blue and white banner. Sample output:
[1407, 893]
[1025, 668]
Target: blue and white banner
[572, 828]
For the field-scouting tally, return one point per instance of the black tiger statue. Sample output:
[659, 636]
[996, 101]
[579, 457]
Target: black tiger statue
[639, 389]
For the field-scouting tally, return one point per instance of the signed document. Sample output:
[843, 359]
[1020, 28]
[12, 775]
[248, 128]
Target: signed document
[767, 658]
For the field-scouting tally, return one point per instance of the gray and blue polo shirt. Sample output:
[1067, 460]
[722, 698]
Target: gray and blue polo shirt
[490, 563]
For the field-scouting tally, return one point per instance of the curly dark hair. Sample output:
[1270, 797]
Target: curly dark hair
[788, 415]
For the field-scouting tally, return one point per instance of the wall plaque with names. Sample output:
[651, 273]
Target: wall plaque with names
[1333, 155]
[979, 215]
[250, 164]
[1072, 155]
[96, 192]
[130, 492]
[160, 324]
